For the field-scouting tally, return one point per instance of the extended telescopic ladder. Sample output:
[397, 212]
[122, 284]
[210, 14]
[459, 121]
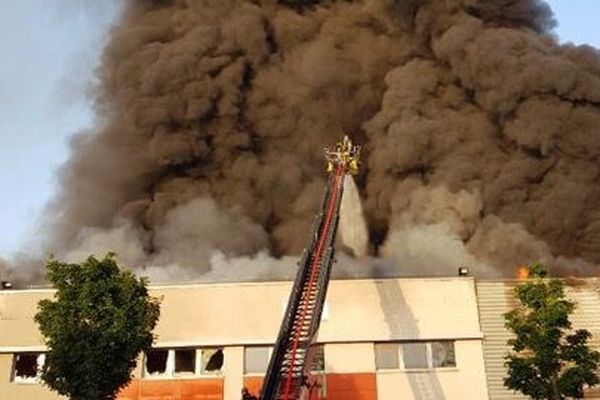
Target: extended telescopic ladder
[290, 362]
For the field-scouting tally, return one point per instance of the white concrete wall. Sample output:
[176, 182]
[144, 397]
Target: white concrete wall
[233, 370]
[17, 308]
[360, 312]
[347, 358]
[250, 313]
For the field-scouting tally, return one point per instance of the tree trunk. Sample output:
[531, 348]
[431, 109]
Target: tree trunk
[555, 393]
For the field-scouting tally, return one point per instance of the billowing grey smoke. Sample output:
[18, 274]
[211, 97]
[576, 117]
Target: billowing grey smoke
[482, 134]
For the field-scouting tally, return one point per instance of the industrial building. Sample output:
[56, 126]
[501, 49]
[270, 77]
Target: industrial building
[409, 338]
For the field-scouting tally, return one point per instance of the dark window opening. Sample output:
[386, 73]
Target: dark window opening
[212, 360]
[156, 361]
[185, 360]
[318, 358]
[26, 365]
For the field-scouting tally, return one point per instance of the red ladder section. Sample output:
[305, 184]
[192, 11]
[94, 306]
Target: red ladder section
[303, 323]
[290, 362]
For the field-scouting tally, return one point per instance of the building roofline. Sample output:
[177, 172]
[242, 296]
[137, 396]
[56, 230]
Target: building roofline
[174, 285]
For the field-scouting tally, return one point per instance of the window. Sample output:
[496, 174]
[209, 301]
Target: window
[415, 355]
[156, 361]
[185, 361]
[212, 361]
[442, 354]
[318, 358]
[27, 367]
[256, 359]
[386, 355]
[181, 362]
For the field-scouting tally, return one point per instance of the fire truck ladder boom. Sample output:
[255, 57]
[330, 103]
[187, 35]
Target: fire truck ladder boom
[291, 357]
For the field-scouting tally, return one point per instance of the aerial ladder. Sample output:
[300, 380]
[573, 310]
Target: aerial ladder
[287, 376]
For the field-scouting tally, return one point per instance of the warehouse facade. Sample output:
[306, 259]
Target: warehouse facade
[379, 339]
[496, 298]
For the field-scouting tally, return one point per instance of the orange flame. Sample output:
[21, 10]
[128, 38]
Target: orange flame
[522, 272]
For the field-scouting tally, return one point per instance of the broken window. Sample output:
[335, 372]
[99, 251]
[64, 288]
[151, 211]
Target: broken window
[156, 361]
[442, 354]
[414, 355]
[386, 356]
[185, 361]
[212, 361]
[175, 362]
[318, 358]
[27, 366]
[256, 359]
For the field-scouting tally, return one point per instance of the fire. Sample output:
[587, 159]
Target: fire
[522, 272]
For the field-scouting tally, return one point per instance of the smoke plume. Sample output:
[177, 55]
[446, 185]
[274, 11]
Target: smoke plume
[481, 134]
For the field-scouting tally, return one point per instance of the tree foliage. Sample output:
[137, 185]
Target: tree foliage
[95, 326]
[549, 360]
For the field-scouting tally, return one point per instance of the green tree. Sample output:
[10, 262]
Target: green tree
[98, 322]
[549, 360]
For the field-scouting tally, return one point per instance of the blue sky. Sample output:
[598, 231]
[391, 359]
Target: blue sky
[50, 50]
[578, 20]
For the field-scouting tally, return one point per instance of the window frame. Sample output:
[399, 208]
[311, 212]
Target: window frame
[196, 357]
[200, 366]
[170, 372]
[320, 346]
[269, 354]
[429, 355]
[40, 361]
[453, 343]
[155, 375]
[398, 356]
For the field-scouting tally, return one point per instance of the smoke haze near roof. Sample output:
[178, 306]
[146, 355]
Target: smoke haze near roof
[480, 132]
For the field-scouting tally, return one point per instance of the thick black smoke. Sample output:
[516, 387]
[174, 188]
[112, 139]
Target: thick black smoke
[482, 134]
